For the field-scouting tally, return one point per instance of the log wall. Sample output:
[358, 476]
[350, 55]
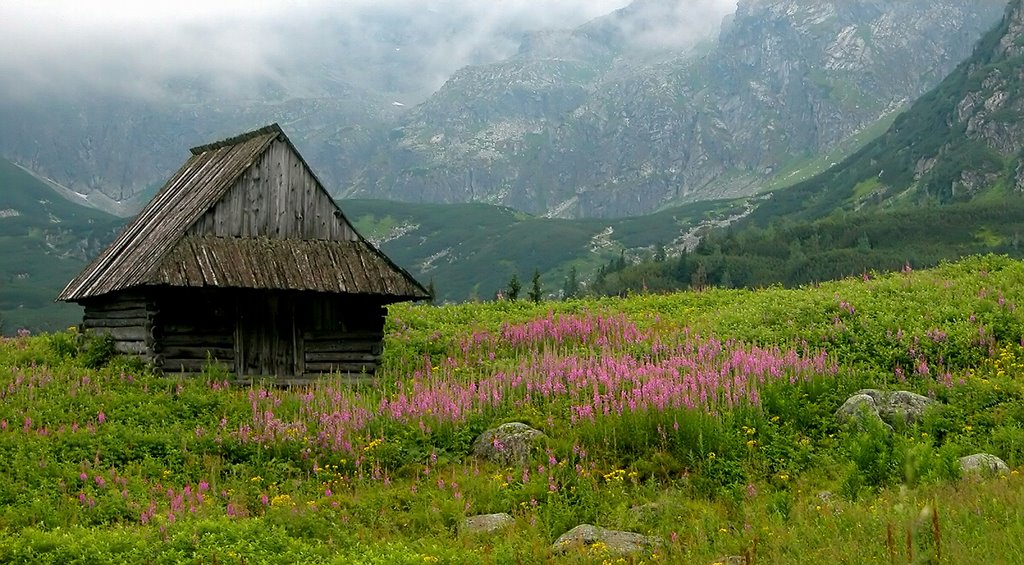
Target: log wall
[194, 329]
[293, 337]
[128, 319]
[342, 335]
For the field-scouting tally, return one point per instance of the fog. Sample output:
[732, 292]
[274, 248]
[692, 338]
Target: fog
[402, 49]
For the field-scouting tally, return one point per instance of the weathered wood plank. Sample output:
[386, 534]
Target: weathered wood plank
[331, 345]
[117, 305]
[178, 329]
[336, 357]
[187, 365]
[119, 313]
[114, 322]
[131, 347]
[341, 367]
[226, 354]
[133, 333]
[343, 336]
[216, 341]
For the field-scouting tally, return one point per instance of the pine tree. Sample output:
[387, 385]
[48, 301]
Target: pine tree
[432, 291]
[514, 286]
[659, 253]
[536, 294]
[571, 288]
[699, 280]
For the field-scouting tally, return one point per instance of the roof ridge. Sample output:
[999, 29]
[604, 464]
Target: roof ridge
[241, 138]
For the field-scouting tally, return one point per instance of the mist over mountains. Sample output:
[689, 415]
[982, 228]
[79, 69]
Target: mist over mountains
[568, 109]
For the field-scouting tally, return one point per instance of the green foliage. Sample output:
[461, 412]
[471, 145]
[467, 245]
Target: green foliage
[794, 253]
[514, 286]
[536, 294]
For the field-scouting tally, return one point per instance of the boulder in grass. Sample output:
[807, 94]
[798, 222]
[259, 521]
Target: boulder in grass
[508, 444]
[983, 464]
[613, 542]
[860, 408]
[892, 408]
[486, 523]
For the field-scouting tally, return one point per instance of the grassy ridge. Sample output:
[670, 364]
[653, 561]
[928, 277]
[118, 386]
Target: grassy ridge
[705, 419]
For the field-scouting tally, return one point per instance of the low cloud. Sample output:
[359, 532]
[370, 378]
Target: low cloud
[401, 48]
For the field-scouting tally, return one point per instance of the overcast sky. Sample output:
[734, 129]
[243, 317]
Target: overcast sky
[135, 46]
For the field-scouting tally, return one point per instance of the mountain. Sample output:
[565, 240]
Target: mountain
[45, 240]
[944, 181]
[593, 122]
[962, 141]
[337, 76]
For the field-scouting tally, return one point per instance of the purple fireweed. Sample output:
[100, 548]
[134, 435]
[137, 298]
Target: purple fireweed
[587, 367]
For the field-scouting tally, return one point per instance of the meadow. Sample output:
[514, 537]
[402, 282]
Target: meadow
[704, 419]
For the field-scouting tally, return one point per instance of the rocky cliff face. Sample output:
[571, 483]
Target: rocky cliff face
[961, 140]
[583, 123]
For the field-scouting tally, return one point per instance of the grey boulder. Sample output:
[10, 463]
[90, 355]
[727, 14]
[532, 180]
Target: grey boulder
[983, 464]
[507, 444]
[903, 407]
[486, 523]
[614, 542]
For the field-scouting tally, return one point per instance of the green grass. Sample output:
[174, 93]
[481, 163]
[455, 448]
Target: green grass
[114, 464]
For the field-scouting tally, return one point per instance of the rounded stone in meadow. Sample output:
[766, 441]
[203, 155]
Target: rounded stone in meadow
[983, 464]
[508, 444]
[900, 405]
[486, 523]
[613, 541]
[645, 511]
[903, 407]
[859, 407]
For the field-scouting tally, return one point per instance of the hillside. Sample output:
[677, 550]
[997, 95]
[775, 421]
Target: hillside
[963, 141]
[580, 124]
[855, 422]
[44, 241]
[470, 251]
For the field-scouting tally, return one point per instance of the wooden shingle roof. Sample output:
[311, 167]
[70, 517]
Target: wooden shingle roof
[154, 249]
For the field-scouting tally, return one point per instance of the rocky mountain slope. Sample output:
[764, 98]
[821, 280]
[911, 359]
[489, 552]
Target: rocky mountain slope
[962, 141]
[583, 123]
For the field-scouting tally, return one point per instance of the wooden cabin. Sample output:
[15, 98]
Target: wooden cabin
[244, 259]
